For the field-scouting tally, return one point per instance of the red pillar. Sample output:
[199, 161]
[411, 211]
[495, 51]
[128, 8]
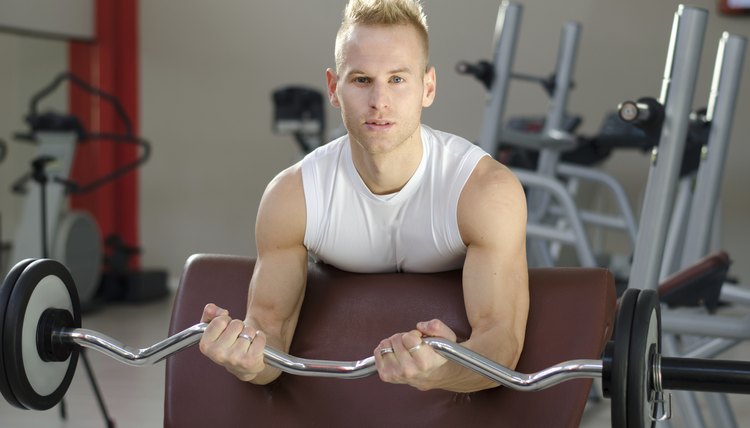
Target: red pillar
[111, 64]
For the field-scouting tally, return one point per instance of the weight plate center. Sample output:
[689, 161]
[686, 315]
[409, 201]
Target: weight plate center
[44, 376]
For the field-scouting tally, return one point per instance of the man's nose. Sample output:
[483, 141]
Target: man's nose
[379, 97]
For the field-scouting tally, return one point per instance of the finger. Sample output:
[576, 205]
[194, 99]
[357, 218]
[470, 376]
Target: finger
[215, 328]
[384, 349]
[380, 352]
[258, 344]
[211, 311]
[436, 328]
[423, 357]
[399, 349]
[229, 336]
[406, 365]
[412, 341]
[386, 362]
[245, 339]
[238, 353]
[246, 359]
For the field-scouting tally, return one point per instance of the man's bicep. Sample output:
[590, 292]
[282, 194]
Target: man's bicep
[277, 287]
[495, 276]
[495, 286]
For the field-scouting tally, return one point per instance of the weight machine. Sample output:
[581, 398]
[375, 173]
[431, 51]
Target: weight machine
[679, 81]
[553, 140]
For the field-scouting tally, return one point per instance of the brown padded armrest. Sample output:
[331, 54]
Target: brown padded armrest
[698, 284]
[344, 317]
[719, 259]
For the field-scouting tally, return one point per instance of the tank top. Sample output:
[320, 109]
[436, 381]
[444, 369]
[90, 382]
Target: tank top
[413, 230]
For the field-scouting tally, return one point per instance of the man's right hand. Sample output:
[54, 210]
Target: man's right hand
[225, 341]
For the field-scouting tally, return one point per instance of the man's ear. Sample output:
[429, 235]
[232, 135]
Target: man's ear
[430, 86]
[332, 83]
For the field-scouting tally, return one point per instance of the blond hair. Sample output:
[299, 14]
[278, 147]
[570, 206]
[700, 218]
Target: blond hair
[382, 12]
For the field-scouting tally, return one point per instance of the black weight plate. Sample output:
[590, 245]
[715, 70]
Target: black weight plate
[619, 379]
[645, 339]
[42, 279]
[5, 290]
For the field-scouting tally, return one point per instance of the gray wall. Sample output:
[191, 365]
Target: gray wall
[208, 69]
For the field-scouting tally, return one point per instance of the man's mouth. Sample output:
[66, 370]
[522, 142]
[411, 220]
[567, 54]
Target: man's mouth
[378, 124]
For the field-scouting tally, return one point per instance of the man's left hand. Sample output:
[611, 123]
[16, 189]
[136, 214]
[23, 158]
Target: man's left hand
[404, 358]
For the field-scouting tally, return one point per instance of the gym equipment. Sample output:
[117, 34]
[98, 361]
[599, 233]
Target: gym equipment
[362, 310]
[123, 284]
[28, 376]
[70, 236]
[41, 320]
[566, 226]
[671, 230]
[75, 235]
[720, 113]
[674, 232]
[299, 111]
[697, 194]
[686, 43]
[653, 258]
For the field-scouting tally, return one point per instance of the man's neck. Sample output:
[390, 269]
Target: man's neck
[387, 173]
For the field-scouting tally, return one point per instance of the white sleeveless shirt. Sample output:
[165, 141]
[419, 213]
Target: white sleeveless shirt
[414, 230]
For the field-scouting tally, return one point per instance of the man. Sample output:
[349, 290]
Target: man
[391, 195]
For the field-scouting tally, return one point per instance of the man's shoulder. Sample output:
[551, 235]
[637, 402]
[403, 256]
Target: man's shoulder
[491, 173]
[288, 179]
[493, 200]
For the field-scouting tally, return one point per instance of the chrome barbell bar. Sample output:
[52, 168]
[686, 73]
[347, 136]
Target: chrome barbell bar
[545, 378]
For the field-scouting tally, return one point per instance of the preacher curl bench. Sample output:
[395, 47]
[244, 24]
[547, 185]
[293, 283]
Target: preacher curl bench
[345, 315]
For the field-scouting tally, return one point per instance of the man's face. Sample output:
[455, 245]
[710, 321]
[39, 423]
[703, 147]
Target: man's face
[381, 86]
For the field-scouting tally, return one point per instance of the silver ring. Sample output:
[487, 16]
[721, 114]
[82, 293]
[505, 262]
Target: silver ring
[386, 351]
[415, 348]
[247, 337]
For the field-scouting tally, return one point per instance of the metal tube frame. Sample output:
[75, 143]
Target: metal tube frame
[714, 326]
[550, 142]
[627, 220]
[549, 157]
[709, 348]
[680, 75]
[504, 47]
[677, 228]
[725, 87]
[702, 216]
[577, 231]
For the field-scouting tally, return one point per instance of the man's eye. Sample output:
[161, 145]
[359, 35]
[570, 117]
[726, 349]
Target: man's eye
[397, 79]
[361, 79]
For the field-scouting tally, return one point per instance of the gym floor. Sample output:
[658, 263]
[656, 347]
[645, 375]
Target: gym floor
[134, 395]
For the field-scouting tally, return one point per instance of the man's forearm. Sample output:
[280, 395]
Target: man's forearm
[501, 348]
[274, 339]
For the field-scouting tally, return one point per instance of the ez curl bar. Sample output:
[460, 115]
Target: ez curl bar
[40, 336]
